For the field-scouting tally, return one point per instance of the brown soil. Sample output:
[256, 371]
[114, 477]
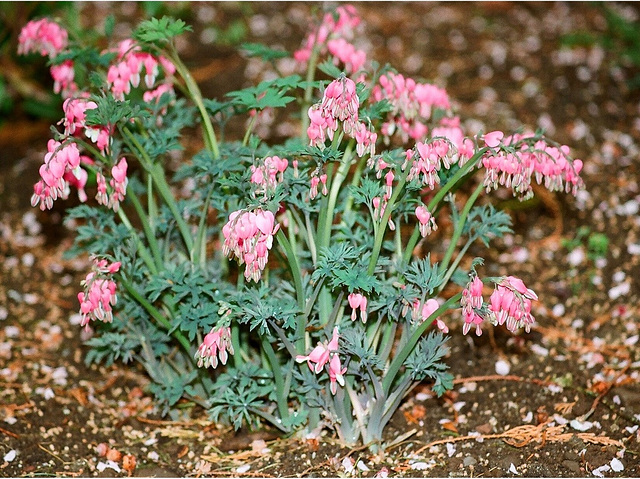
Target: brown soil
[506, 67]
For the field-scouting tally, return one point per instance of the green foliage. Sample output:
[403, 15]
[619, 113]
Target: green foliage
[267, 94]
[424, 275]
[485, 223]
[262, 51]
[426, 361]
[98, 233]
[241, 390]
[160, 31]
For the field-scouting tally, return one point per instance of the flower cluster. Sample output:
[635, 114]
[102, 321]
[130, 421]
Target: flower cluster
[131, 65]
[61, 163]
[99, 295]
[471, 303]
[49, 39]
[75, 112]
[332, 36]
[248, 235]
[427, 223]
[118, 184]
[510, 304]
[64, 79]
[268, 173]
[358, 301]
[215, 345]
[340, 102]
[43, 37]
[412, 105]
[524, 159]
[420, 312]
[323, 354]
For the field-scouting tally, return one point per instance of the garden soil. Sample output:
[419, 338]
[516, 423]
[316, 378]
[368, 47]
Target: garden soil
[561, 401]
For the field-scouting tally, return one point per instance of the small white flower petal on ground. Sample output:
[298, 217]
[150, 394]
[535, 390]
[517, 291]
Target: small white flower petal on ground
[502, 367]
[631, 340]
[619, 290]
[539, 350]
[616, 465]
[451, 449]
[576, 257]
[347, 464]
[101, 466]
[459, 405]
[581, 425]
[10, 456]
[599, 471]
[512, 469]
[631, 429]
[633, 248]
[419, 466]
[362, 466]
[618, 276]
[558, 310]
[242, 469]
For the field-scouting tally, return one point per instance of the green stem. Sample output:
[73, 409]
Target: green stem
[311, 72]
[142, 250]
[297, 279]
[411, 245]
[401, 355]
[157, 173]
[336, 183]
[377, 244]
[199, 247]
[152, 208]
[235, 342]
[433, 204]
[455, 264]
[245, 140]
[457, 232]
[151, 237]
[281, 393]
[355, 181]
[156, 314]
[209, 134]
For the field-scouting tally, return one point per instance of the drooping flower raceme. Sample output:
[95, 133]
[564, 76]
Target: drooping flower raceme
[249, 236]
[332, 37]
[528, 159]
[339, 105]
[471, 303]
[133, 66]
[509, 304]
[215, 345]
[99, 295]
[325, 353]
[60, 160]
[267, 173]
[358, 301]
[75, 113]
[49, 39]
[412, 105]
[44, 37]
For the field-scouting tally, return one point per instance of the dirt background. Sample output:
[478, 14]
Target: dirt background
[569, 405]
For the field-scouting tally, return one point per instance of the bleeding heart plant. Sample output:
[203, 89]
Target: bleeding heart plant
[289, 269]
